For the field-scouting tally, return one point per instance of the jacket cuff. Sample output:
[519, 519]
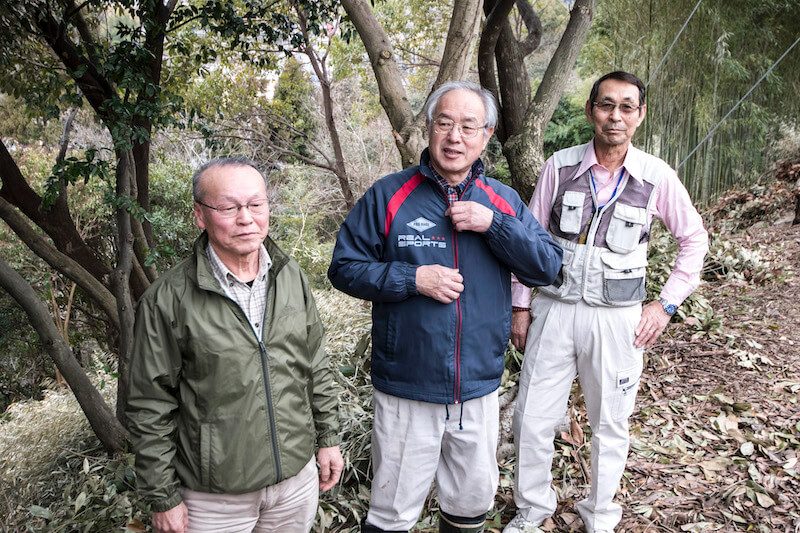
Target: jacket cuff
[159, 506]
[411, 280]
[496, 227]
[328, 441]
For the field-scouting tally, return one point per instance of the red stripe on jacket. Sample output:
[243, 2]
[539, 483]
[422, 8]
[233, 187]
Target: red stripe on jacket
[498, 201]
[398, 198]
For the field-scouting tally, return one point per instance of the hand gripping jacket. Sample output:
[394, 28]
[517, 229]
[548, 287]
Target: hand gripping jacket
[423, 349]
[605, 251]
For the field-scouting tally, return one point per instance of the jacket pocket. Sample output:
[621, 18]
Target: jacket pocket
[625, 228]
[572, 211]
[205, 455]
[384, 336]
[627, 386]
[624, 277]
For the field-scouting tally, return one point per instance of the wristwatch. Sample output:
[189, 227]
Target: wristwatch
[668, 307]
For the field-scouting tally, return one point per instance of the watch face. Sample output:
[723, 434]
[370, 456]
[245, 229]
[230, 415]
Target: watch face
[670, 309]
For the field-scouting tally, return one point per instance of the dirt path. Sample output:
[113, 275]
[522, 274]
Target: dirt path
[716, 436]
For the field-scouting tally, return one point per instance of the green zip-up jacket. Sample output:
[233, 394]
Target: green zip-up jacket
[212, 408]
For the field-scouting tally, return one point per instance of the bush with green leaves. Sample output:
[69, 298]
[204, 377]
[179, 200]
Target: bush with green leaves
[171, 212]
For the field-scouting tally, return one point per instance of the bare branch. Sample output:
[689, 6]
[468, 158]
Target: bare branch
[61, 262]
[108, 429]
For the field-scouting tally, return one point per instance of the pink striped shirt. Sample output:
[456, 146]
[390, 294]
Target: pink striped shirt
[672, 206]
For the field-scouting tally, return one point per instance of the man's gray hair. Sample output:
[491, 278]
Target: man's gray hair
[489, 103]
[222, 162]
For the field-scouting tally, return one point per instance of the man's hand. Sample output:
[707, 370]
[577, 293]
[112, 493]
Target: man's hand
[330, 467]
[175, 520]
[520, 322]
[654, 320]
[439, 282]
[470, 216]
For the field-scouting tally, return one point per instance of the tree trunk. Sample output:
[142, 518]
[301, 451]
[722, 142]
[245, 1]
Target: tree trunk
[409, 129]
[320, 69]
[499, 47]
[125, 175]
[63, 263]
[56, 222]
[525, 150]
[107, 428]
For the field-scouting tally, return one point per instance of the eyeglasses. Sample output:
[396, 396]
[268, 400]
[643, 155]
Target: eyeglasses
[624, 108]
[444, 127]
[255, 207]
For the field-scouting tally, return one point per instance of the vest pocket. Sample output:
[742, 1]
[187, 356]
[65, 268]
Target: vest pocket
[625, 228]
[562, 283]
[624, 277]
[572, 211]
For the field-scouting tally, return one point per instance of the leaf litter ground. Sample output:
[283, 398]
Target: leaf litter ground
[715, 437]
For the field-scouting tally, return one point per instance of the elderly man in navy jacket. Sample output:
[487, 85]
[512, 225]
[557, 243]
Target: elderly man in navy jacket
[433, 247]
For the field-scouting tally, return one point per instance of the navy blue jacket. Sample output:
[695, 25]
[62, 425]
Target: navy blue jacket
[423, 349]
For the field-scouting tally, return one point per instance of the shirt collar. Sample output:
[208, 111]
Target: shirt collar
[632, 163]
[221, 272]
[426, 169]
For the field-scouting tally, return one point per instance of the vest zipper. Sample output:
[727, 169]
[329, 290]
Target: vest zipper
[592, 231]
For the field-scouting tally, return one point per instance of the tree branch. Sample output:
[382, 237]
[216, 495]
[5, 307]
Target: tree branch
[106, 427]
[56, 222]
[61, 262]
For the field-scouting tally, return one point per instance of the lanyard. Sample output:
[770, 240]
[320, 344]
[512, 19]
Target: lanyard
[613, 194]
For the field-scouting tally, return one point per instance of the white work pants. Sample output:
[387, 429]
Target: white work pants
[413, 442]
[289, 507]
[597, 344]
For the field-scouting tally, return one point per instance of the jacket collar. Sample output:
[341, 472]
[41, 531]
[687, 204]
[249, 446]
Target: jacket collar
[205, 276]
[426, 170]
[632, 163]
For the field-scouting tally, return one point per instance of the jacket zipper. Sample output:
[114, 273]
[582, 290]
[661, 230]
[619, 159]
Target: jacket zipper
[270, 410]
[265, 373]
[457, 386]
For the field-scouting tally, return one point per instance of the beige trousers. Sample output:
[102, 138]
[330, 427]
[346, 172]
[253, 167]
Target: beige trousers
[415, 442]
[288, 507]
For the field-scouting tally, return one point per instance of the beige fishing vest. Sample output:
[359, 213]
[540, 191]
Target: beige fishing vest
[605, 251]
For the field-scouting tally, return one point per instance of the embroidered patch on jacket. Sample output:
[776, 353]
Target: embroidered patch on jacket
[421, 224]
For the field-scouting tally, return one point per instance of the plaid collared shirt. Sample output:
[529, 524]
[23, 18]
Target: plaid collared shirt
[452, 192]
[251, 299]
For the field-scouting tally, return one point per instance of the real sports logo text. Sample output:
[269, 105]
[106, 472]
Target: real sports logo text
[420, 241]
[420, 224]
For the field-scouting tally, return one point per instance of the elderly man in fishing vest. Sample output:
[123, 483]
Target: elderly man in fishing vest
[598, 201]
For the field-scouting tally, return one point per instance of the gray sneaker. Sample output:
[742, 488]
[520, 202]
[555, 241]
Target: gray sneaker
[519, 524]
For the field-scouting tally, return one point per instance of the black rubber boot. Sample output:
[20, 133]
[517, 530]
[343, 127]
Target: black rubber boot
[460, 524]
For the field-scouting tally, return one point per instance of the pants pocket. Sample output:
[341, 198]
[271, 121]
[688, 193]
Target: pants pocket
[627, 385]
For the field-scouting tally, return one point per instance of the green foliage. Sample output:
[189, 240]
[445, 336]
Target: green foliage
[171, 211]
[720, 55]
[23, 362]
[293, 103]
[298, 225]
[94, 494]
[568, 126]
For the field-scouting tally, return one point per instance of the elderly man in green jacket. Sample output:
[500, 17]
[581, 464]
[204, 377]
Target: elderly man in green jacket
[230, 389]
